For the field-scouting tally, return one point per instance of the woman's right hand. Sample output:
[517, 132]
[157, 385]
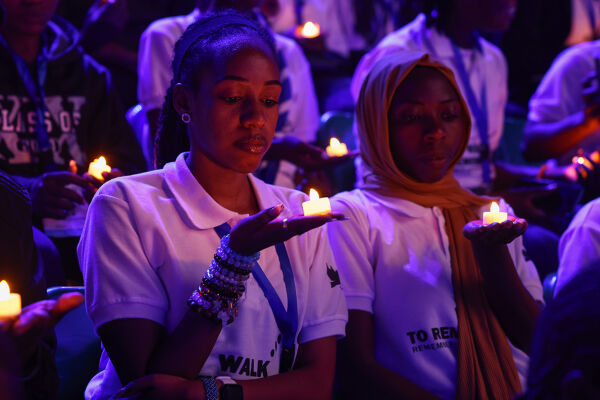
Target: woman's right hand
[259, 231]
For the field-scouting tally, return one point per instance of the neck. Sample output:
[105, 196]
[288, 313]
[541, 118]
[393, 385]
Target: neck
[230, 189]
[460, 29]
[26, 46]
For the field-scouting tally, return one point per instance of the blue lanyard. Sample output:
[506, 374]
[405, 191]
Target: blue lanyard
[479, 111]
[35, 89]
[287, 321]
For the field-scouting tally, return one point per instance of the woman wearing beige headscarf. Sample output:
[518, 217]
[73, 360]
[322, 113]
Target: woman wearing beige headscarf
[432, 313]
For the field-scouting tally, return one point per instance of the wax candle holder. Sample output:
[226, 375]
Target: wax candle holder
[10, 303]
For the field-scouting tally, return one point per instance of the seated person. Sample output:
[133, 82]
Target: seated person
[564, 112]
[298, 109]
[58, 109]
[148, 248]
[440, 305]
[565, 351]
[28, 336]
[579, 246]
[59, 106]
[479, 66]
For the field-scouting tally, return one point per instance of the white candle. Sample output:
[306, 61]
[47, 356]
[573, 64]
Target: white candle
[336, 148]
[309, 30]
[494, 215]
[10, 303]
[97, 167]
[316, 205]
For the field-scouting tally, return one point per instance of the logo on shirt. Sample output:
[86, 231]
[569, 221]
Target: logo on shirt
[334, 276]
[244, 365]
[437, 338]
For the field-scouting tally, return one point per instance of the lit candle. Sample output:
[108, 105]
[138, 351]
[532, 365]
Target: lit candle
[494, 215]
[10, 303]
[309, 30]
[316, 205]
[336, 148]
[583, 161]
[97, 167]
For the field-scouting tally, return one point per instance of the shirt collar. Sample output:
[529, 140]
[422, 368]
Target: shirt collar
[198, 206]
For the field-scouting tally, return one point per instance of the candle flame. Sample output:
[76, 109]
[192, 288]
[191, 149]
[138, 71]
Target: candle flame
[100, 161]
[580, 160]
[4, 290]
[310, 30]
[313, 194]
[334, 142]
[494, 207]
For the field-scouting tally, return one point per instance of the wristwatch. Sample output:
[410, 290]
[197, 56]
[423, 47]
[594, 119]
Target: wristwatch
[230, 389]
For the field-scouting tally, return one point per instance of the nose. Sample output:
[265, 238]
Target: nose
[434, 130]
[252, 116]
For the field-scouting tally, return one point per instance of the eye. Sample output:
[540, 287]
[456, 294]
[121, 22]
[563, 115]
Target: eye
[270, 102]
[232, 99]
[449, 116]
[407, 118]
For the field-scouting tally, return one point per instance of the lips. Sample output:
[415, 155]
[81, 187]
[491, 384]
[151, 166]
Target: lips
[436, 160]
[256, 144]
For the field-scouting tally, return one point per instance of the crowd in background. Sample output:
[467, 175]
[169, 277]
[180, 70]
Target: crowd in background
[90, 78]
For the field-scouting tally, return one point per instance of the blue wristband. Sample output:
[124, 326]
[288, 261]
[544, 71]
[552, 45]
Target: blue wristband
[210, 387]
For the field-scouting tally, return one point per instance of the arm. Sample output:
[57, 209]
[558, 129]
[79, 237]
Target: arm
[543, 140]
[512, 304]
[360, 375]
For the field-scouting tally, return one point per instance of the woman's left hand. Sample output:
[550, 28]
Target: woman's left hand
[162, 387]
[495, 233]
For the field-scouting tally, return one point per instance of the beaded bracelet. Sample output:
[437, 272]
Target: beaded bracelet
[223, 284]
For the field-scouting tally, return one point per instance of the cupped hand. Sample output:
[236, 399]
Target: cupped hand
[495, 233]
[305, 155]
[162, 387]
[36, 320]
[259, 231]
[51, 198]
[114, 173]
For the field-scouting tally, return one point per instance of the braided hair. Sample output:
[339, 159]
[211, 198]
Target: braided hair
[200, 46]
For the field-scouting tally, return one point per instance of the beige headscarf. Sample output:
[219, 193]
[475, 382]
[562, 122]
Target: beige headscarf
[486, 369]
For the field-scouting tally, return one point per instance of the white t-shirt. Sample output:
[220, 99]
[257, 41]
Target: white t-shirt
[394, 262]
[155, 54]
[579, 246]
[485, 65]
[147, 243]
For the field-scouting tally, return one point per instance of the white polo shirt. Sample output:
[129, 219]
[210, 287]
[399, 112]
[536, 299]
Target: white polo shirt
[394, 262]
[485, 66]
[146, 244]
[579, 246]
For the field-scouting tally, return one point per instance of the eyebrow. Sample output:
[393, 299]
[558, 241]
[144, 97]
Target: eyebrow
[418, 103]
[240, 79]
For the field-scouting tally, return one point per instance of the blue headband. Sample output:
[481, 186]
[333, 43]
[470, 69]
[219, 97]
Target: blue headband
[200, 28]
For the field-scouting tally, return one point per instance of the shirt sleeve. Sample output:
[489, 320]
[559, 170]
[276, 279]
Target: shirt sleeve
[579, 245]
[154, 66]
[119, 280]
[524, 266]
[559, 95]
[350, 244]
[326, 312]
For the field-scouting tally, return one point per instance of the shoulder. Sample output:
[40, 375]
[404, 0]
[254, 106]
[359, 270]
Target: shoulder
[133, 188]
[168, 27]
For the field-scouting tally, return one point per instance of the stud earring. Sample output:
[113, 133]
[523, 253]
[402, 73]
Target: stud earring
[185, 117]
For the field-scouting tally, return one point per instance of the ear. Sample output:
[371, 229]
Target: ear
[181, 99]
